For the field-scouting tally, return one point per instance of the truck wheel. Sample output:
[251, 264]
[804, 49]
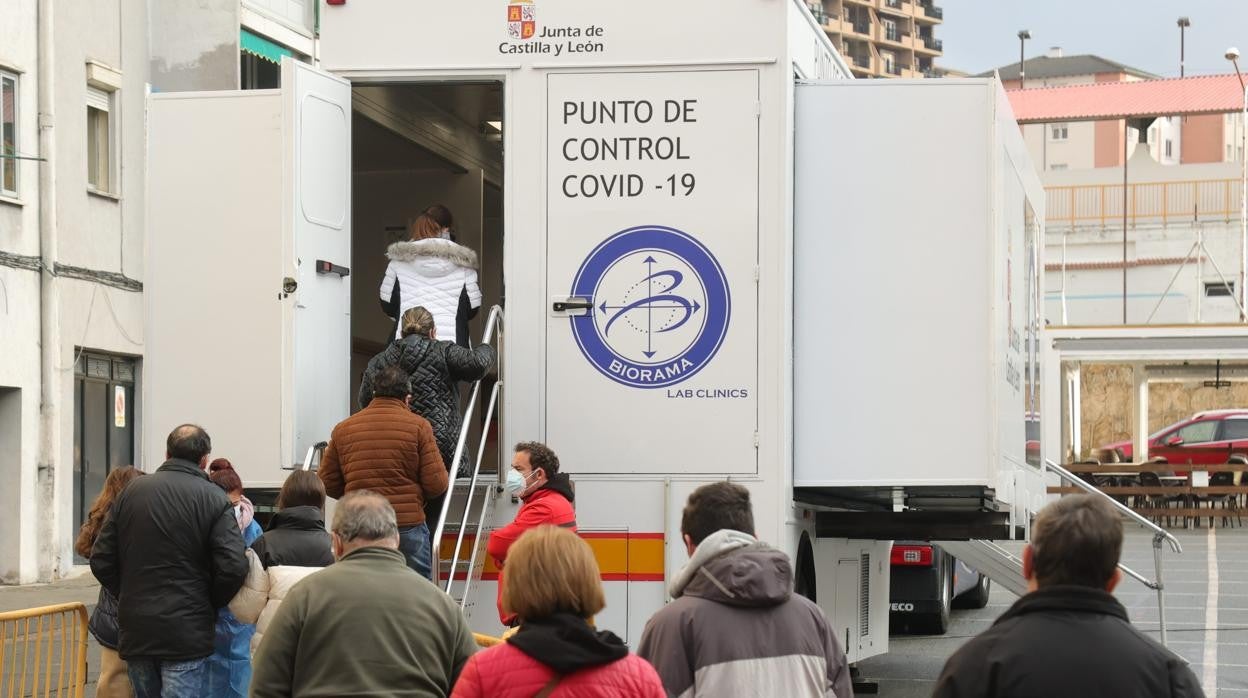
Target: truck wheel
[804, 576]
[938, 623]
[978, 596]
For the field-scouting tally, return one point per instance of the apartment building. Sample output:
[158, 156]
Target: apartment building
[73, 84]
[884, 38]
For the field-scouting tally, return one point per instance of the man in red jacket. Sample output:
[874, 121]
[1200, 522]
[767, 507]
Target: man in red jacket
[547, 498]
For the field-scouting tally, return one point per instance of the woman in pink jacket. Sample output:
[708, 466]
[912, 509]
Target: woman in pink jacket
[554, 587]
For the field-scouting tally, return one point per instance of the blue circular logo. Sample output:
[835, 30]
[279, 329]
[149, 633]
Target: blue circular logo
[661, 307]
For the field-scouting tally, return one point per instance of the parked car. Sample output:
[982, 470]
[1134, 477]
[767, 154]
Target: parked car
[926, 583]
[1205, 438]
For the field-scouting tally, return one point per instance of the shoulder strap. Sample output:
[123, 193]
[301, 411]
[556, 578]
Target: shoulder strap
[549, 688]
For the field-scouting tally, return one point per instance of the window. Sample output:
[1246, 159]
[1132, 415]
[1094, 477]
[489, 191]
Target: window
[1234, 430]
[1169, 148]
[100, 155]
[1060, 131]
[1198, 433]
[8, 134]
[890, 30]
[1214, 289]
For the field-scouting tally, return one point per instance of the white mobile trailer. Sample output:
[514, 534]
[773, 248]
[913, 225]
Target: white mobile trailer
[648, 193]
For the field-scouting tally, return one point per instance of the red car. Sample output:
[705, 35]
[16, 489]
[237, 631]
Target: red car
[1206, 438]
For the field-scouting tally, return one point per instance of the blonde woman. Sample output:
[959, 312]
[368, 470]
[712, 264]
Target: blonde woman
[553, 585]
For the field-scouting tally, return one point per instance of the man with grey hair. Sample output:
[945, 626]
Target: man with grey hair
[366, 625]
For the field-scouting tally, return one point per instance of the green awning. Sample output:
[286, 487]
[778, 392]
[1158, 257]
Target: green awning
[261, 47]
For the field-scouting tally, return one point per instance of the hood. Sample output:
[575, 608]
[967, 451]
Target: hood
[433, 256]
[566, 643]
[303, 518]
[735, 569]
[246, 513]
[560, 483]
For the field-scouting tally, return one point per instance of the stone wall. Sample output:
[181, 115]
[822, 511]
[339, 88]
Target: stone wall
[1106, 398]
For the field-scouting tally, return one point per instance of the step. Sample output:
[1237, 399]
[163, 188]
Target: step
[990, 559]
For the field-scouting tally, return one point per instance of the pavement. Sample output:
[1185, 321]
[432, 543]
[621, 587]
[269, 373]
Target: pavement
[1206, 616]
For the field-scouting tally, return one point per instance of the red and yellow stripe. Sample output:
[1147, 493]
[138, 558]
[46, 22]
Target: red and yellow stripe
[622, 556]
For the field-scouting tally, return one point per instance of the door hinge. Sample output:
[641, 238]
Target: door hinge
[757, 273]
[755, 438]
[758, 109]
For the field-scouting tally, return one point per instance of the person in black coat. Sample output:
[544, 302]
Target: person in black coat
[297, 534]
[435, 368]
[171, 552]
[1069, 636]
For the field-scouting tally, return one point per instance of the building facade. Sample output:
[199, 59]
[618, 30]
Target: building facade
[884, 38]
[73, 84]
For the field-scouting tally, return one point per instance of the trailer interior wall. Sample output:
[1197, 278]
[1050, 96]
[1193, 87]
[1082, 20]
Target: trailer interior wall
[910, 300]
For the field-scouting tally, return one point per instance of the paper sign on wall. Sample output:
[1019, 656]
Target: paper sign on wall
[119, 406]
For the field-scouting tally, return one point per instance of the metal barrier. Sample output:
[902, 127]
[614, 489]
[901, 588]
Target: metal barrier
[43, 651]
[1147, 202]
[1159, 534]
[493, 325]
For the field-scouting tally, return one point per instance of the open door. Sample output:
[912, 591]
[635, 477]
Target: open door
[318, 162]
[247, 300]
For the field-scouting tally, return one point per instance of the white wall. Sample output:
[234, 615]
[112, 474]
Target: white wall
[97, 233]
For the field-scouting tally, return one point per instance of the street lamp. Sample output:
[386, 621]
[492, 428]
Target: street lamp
[1023, 36]
[1232, 55]
[1184, 23]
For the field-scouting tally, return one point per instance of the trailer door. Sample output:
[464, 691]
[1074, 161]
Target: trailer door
[247, 300]
[652, 251]
[318, 153]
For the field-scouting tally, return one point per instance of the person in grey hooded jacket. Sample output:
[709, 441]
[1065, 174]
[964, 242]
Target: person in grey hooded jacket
[735, 627]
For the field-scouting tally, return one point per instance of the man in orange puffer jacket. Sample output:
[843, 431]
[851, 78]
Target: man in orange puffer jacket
[547, 498]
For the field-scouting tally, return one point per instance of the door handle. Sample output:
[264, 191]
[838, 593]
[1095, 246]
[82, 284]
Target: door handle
[323, 267]
[564, 306]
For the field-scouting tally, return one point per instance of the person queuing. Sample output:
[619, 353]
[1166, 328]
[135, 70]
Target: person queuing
[1068, 636]
[547, 498]
[113, 681]
[554, 588]
[433, 272]
[735, 627]
[171, 553]
[229, 668]
[366, 625]
[295, 546]
[387, 449]
[435, 368]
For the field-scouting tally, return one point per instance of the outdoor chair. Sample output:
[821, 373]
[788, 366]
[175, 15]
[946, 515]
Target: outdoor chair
[1162, 501]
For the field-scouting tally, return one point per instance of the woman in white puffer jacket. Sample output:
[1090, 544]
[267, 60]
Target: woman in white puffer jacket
[295, 546]
[436, 273]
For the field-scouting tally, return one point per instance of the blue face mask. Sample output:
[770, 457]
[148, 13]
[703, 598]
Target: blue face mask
[516, 483]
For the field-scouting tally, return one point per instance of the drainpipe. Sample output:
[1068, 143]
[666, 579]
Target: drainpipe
[45, 509]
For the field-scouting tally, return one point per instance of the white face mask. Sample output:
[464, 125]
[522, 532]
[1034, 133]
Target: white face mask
[238, 512]
[517, 483]
[446, 234]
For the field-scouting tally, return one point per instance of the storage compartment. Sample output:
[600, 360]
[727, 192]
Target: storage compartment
[916, 296]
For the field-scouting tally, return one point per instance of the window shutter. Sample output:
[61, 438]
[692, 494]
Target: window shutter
[98, 98]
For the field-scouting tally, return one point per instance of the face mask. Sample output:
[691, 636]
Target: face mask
[238, 512]
[516, 482]
[446, 234]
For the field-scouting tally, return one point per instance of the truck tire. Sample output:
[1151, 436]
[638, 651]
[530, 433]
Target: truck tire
[804, 575]
[977, 597]
[938, 623]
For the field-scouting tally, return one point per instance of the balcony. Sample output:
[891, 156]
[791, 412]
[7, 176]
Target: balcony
[892, 69]
[817, 10]
[934, 11]
[933, 44]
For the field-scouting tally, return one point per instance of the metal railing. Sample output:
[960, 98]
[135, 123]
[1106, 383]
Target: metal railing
[1147, 202]
[1159, 535]
[493, 328]
[43, 651]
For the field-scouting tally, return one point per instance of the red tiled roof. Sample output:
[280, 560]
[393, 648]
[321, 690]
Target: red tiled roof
[1201, 94]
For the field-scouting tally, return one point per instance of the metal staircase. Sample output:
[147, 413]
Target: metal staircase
[470, 499]
[987, 557]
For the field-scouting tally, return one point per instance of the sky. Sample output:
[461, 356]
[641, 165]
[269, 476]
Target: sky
[980, 35]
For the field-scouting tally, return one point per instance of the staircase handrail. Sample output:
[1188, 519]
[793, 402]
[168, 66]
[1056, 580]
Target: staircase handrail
[493, 323]
[463, 522]
[1159, 534]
